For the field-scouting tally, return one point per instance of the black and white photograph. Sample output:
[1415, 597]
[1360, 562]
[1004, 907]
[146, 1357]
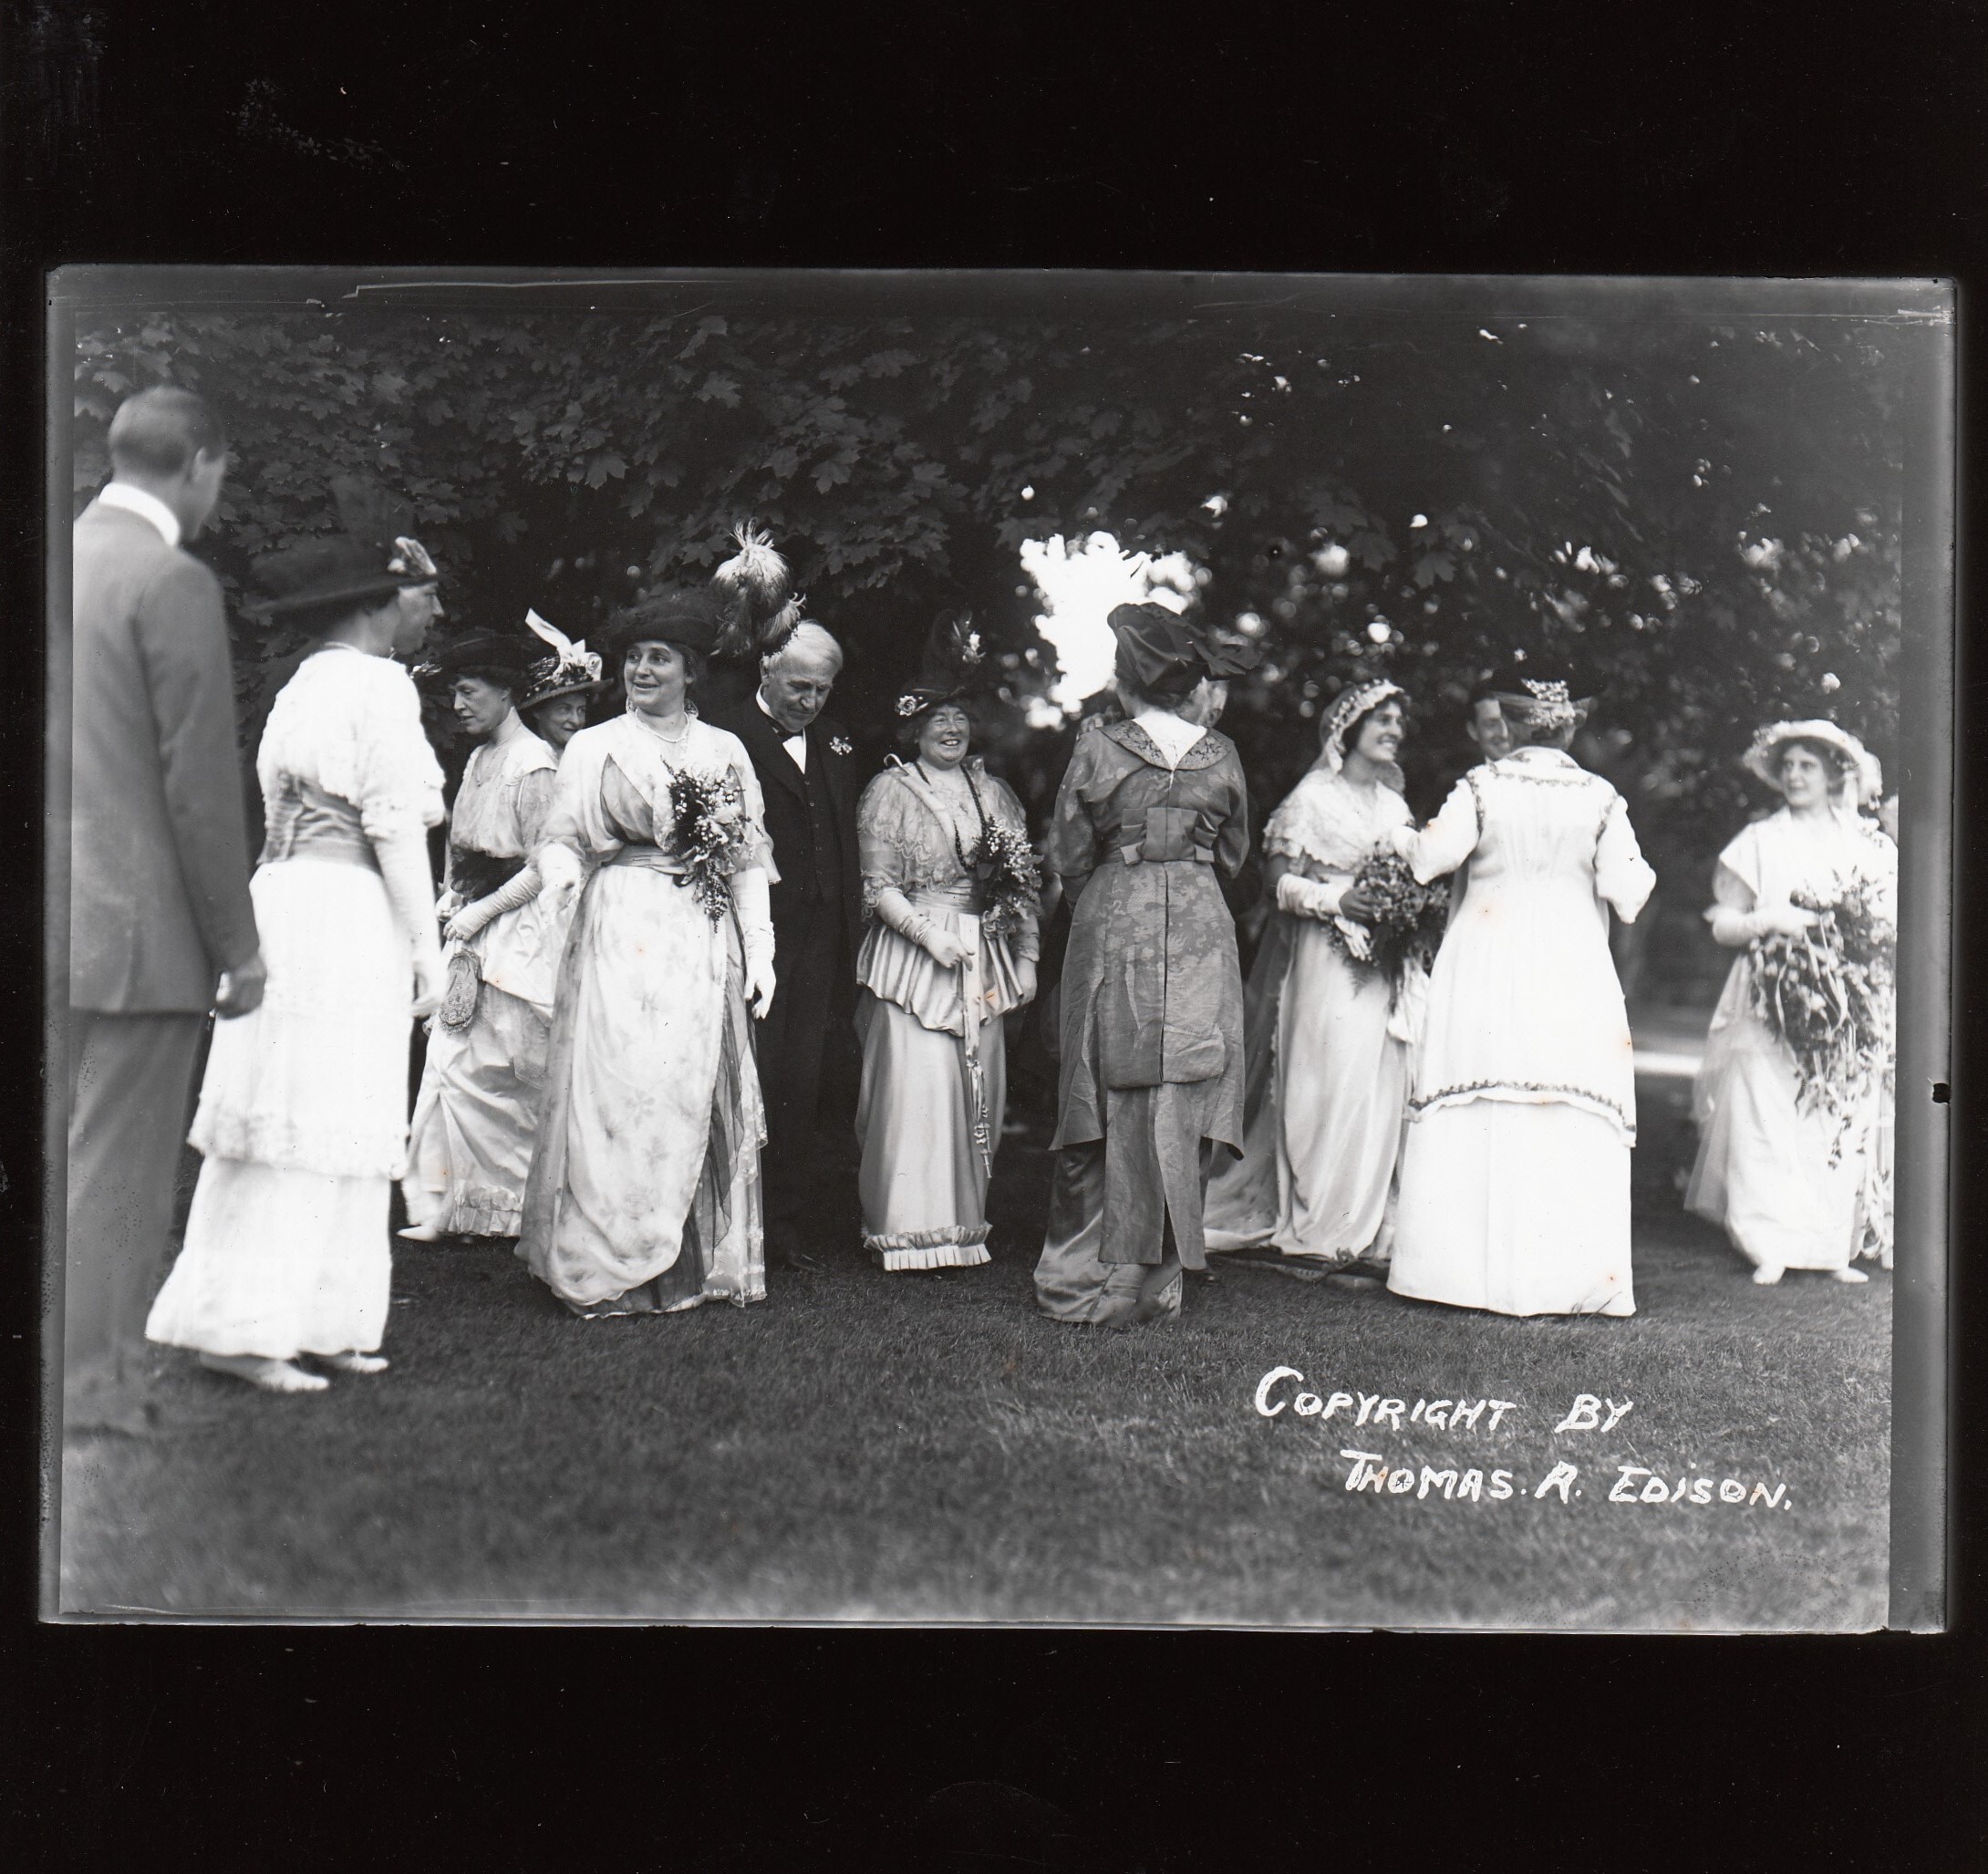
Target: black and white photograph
[1216, 950]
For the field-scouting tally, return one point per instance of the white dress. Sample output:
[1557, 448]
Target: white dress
[302, 1119]
[1326, 1090]
[1763, 1171]
[643, 1195]
[1515, 1191]
[476, 1119]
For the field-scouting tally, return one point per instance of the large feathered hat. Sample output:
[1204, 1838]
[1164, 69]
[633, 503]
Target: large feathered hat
[756, 611]
[950, 667]
[373, 555]
[571, 669]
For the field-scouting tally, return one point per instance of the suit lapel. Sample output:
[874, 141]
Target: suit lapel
[768, 752]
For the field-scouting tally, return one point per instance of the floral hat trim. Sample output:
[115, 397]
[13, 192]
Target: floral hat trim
[1347, 708]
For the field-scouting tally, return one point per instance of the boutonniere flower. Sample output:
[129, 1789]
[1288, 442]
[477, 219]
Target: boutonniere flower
[840, 745]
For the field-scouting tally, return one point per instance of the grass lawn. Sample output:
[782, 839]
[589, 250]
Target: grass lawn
[928, 1448]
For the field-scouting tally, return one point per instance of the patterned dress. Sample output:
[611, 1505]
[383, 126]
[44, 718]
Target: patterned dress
[1152, 1054]
[1328, 1071]
[644, 1196]
[934, 1046]
[1514, 1175]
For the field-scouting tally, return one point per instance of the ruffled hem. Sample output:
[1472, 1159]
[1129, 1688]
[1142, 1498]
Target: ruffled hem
[1600, 1104]
[957, 1246]
[898, 971]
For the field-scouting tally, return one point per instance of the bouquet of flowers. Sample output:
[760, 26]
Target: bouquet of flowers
[1407, 927]
[710, 837]
[1003, 864]
[1827, 991]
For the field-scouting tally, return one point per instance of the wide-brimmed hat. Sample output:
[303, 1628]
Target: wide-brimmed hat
[949, 668]
[372, 557]
[681, 616]
[1157, 654]
[571, 669]
[1762, 756]
[480, 652]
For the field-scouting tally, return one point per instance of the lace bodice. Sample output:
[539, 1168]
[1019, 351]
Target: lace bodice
[1328, 824]
[350, 724]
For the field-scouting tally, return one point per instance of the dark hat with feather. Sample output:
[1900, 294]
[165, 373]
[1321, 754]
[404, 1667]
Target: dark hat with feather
[372, 557]
[950, 668]
[1226, 658]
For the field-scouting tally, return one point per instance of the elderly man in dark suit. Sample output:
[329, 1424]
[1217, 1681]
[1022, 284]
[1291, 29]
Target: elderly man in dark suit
[161, 925]
[802, 764]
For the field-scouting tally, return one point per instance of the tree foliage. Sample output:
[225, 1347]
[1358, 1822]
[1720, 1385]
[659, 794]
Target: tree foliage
[1702, 515]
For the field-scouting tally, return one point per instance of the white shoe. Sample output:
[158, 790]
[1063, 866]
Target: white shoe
[1768, 1274]
[351, 1362]
[420, 1233]
[1852, 1276]
[270, 1375]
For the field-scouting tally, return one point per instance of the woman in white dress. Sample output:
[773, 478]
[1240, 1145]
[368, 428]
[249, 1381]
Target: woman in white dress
[476, 1117]
[645, 1194]
[1515, 1188]
[1326, 1042]
[938, 968]
[1763, 1171]
[303, 1114]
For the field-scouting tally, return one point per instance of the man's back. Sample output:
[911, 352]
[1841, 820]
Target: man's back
[159, 900]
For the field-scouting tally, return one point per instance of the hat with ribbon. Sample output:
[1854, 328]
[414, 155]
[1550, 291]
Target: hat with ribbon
[1157, 654]
[1762, 756]
[372, 557]
[1227, 657]
[571, 669]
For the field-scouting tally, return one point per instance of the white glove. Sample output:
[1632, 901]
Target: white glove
[521, 889]
[1736, 928]
[753, 895]
[403, 870]
[1306, 897]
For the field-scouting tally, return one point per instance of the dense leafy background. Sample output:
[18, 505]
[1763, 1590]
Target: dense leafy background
[1703, 517]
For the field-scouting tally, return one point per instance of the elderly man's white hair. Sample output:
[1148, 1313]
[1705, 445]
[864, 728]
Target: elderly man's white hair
[808, 639]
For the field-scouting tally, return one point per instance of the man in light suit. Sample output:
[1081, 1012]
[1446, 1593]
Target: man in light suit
[805, 772]
[159, 879]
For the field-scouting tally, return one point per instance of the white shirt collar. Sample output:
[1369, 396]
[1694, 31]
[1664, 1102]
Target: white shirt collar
[147, 506]
[1170, 735]
[795, 744]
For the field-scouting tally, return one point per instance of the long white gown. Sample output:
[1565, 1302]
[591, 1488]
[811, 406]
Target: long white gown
[1326, 1096]
[303, 1112]
[1515, 1191]
[476, 1119]
[644, 1195]
[1763, 1171]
